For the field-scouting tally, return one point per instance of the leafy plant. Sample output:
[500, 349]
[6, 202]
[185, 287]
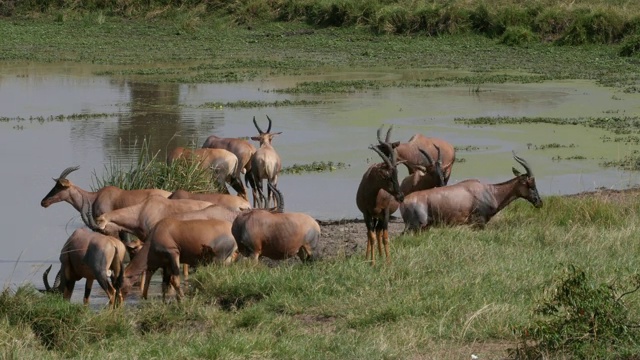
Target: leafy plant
[580, 318]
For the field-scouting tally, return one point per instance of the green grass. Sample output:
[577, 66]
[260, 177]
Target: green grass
[447, 294]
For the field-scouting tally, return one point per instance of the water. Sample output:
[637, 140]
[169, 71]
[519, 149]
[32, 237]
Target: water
[338, 130]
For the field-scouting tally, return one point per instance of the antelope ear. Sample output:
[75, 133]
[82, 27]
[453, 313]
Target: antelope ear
[515, 171]
[395, 144]
[278, 133]
[64, 182]
[255, 138]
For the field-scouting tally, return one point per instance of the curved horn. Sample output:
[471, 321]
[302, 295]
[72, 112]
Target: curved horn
[388, 138]
[87, 216]
[269, 128]
[280, 208]
[257, 127]
[379, 133]
[439, 153]
[66, 172]
[426, 156]
[383, 156]
[45, 279]
[523, 162]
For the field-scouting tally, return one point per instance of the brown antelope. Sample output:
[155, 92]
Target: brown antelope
[376, 192]
[107, 199]
[189, 242]
[265, 164]
[93, 256]
[468, 202]
[141, 218]
[231, 202]
[409, 153]
[276, 234]
[223, 163]
[242, 149]
[424, 177]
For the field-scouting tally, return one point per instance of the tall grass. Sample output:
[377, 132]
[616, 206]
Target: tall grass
[150, 171]
[566, 23]
[449, 293]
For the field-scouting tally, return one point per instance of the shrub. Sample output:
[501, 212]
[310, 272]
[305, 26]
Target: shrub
[394, 19]
[630, 45]
[599, 27]
[580, 318]
[517, 36]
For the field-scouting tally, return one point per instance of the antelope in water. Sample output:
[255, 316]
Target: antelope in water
[276, 234]
[468, 202]
[191, 242]
[106, 199]
[376, 194]
[265, 164]
[223, 163]
[241, 148]
[93, 256]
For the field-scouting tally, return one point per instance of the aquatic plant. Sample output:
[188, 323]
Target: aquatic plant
[246, 104]
[316, 166]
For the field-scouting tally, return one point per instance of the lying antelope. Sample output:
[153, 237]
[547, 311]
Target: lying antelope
[231, 202]
[424, 177]
[376, 194]
[191, 242]
[107, 199]
[468, 202]
[223, 163]
[276, 234]
[409, 153]
[93, 256]
[265, 164]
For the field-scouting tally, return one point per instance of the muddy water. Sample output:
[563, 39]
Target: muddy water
[170, 115]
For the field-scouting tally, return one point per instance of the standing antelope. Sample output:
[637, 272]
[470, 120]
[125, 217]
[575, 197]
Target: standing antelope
[241, 148]
[107, 199]
[409, 153]
[191, 242]
[468, 202]
[90, 255]
[265, 164]
[231, 202]
[424, 177]
[376, 192]
[276, 234]
[223, 163]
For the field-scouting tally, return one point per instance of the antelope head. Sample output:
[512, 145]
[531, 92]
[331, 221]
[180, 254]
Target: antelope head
[264, 137]
[389, 172]
[60, 189]
[526, 186]
[433, 168]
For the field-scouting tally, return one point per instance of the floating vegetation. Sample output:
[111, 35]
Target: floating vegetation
[245, 104]
[550, 146]
[630, 162]
[469, 148]
[615, 124]
[316, 166]
[572, 157]
[331, 86]
[58, 118]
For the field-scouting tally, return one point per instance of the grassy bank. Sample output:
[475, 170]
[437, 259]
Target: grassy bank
[448, 294]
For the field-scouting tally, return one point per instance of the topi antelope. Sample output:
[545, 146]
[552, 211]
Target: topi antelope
[231, 202]
[241, 148]
[377, 193]
[468, 202]
[265, 164]
[276, 234]
[424, 177]
[411, 156]
[107, 199]
[93, 256]
[191, 242]
[223, 163]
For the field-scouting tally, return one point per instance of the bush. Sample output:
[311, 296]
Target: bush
[580, 318]
[630, 46]
[599, 27]
[394, 19]
[517, 36]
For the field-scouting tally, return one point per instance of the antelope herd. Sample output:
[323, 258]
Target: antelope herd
[192, 229]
